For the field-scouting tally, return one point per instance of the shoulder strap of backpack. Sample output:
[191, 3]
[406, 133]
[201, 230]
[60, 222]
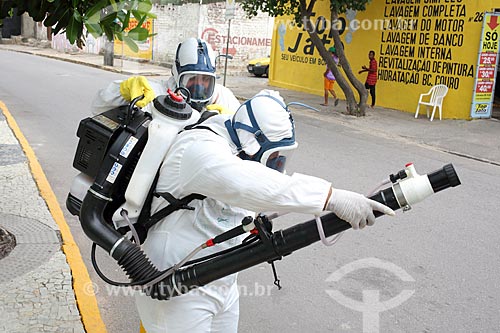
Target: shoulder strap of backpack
[204, 116]
[145, 213]
[174, 205]
[145, 219]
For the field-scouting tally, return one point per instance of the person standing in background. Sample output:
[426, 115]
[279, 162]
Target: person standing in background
[371, 78]
[329, 79]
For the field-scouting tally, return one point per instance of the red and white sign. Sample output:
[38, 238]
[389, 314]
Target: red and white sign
[482, 99]
[219, 41]
[484, 87]
[488, 59]
[486, 72]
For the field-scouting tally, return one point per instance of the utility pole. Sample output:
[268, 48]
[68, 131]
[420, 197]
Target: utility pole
[227, 50]
[230, 9]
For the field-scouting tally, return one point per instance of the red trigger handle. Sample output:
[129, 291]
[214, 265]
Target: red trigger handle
[174, 96]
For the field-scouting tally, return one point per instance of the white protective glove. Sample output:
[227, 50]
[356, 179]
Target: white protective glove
[355, 208]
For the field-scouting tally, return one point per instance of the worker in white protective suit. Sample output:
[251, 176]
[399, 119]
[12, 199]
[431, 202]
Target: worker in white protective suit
[194, 70]
[237, 163]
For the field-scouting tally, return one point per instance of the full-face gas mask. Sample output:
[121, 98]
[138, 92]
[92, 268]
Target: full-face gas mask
[194, 69]
[263, 130]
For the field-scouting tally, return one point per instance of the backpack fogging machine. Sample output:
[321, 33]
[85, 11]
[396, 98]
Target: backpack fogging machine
[106, 186]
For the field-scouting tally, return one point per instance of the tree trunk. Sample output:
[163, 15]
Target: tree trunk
[109, 53]
[339, 77]
[363, 94]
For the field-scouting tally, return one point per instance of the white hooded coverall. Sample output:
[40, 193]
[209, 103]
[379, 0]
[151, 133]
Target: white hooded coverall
[201, 161]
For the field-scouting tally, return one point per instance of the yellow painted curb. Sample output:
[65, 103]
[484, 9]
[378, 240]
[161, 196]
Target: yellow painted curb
[82, 285]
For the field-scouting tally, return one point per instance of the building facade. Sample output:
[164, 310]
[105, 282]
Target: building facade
[417, 44]
[248, 37]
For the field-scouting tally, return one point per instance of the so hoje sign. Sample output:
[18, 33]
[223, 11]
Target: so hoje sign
[482, 98]
[417, 44]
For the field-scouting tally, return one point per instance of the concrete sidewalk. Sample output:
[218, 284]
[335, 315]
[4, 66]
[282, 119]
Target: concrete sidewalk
[37, 295]
[36, 282]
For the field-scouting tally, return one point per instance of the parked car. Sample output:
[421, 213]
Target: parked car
[259, 66]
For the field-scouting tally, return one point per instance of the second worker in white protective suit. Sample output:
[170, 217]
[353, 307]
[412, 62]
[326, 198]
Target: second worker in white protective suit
[193, 69]
[237, 162]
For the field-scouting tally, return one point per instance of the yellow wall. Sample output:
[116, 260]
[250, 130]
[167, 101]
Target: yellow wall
[432, 41]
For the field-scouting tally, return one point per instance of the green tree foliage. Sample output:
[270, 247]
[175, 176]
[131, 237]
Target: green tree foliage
[302, 11]
[99, 17]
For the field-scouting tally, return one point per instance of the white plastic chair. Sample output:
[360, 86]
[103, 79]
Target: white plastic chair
[437, 94]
